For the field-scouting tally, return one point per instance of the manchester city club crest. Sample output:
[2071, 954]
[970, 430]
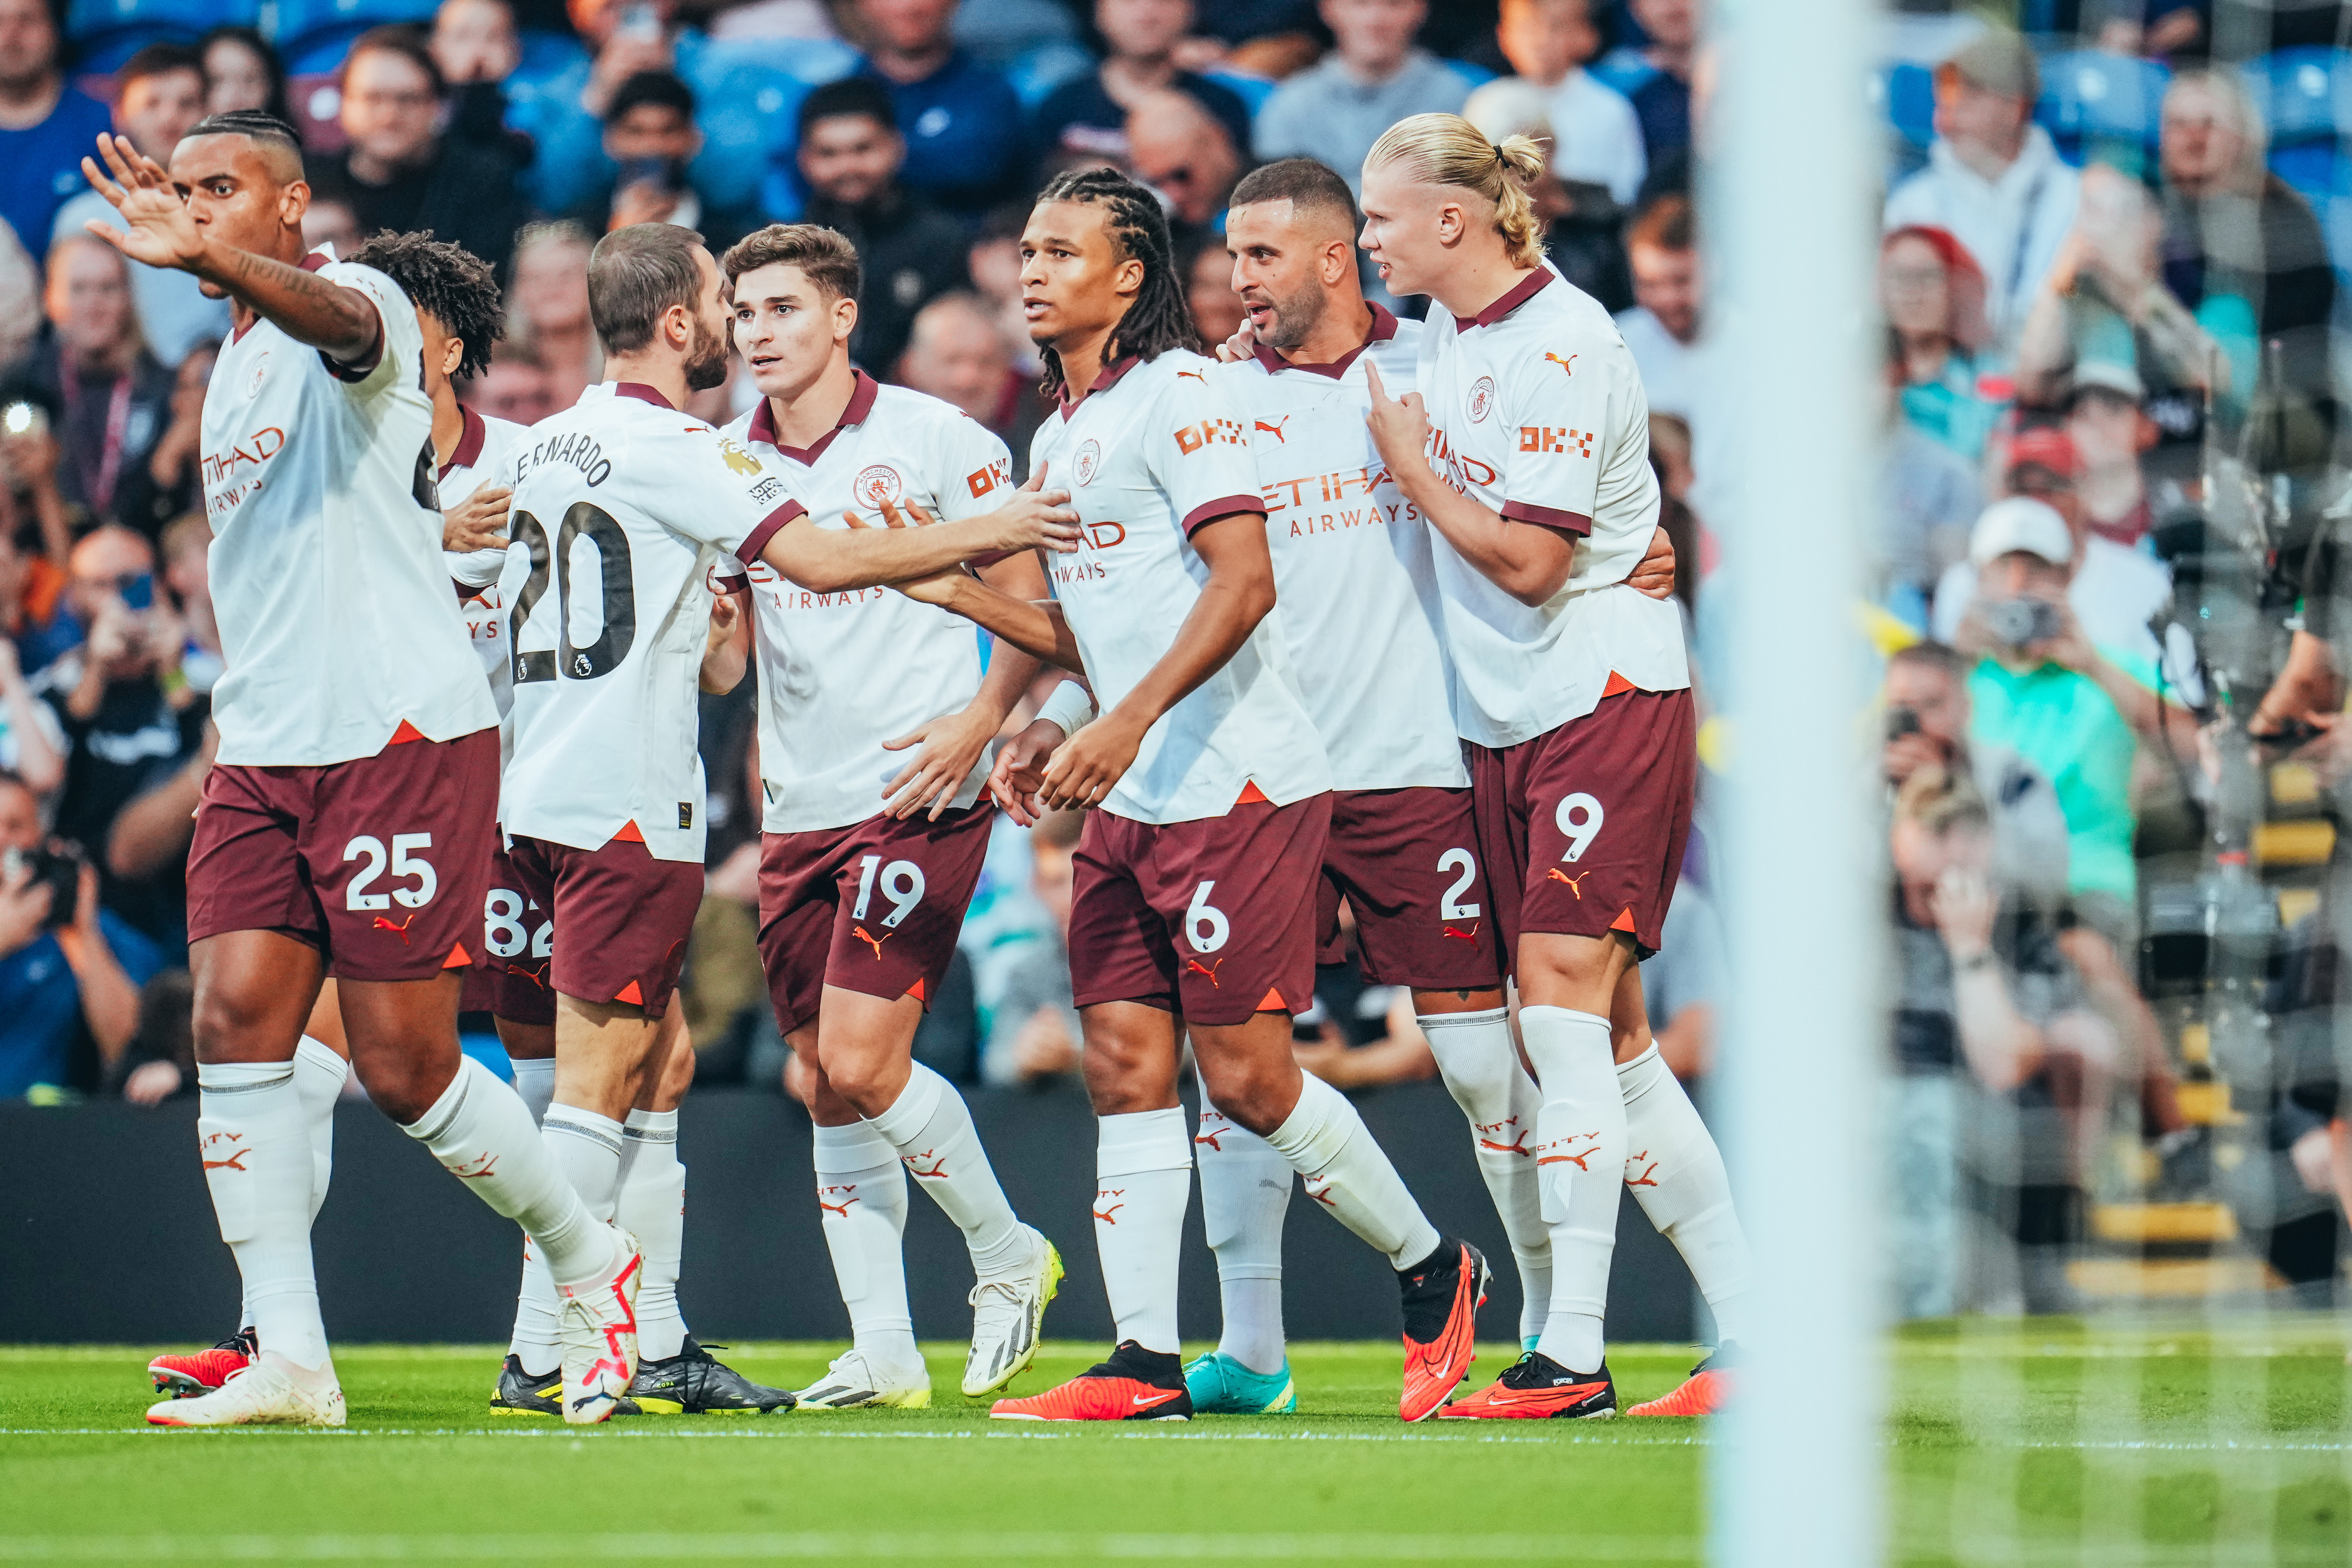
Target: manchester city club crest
[1089, 459]
[878, 484]
[1482, 399]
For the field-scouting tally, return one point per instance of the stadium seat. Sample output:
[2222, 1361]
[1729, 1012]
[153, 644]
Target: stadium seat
[2304, 95]
[2095, 104]
[1036, 72]
[104, 33]
[1905, 94]
[312, 34]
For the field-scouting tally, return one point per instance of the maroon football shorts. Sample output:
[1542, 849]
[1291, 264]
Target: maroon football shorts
[875, 907]
[518, 944]
[1407, 862]
[622, 916]
[1213, 919]
[1582, 828]
[379, 862]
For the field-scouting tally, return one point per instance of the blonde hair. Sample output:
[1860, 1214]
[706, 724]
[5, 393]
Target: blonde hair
[1448, 150]
[1940, 801]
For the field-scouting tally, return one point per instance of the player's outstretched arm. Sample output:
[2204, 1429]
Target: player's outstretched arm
[1033, 625]
[1236, 597]
[829, 560]
[1527, 561]
[340, 323]
[947, 748]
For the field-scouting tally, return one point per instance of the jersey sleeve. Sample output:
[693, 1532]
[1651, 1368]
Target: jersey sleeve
[730, 499]
[972, 470]
[399, 342]
[1198, 450]
[1557, 406]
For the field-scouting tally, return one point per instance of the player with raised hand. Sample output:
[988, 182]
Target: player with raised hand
[623, 508]
[1526, 447]
[346, 826]
[1194, 904]
[869, 859]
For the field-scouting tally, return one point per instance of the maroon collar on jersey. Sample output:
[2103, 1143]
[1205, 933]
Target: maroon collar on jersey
[1521, 293]
[1383, 329]
[863, 392]
[643, 393]
[470, 443]
[1103, 382]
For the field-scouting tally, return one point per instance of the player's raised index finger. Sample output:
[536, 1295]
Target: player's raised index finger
[1373, 382]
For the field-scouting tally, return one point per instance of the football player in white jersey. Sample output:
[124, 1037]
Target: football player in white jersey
[1195, 880]
[358, 747]
[1527, 447]
[869, 857]
[623, 507]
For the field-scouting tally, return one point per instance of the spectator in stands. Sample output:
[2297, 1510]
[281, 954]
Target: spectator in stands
[37, 623]
[994, 260]
[130, 716]
[1662, 331]
[475, 44]
[516, 387]
[159, 93]
[1180, 149]
[965, 141]
[1584, 228]
[1033, 1034]
[2110, 432]
[106, 398]
[1596, 137]
[1929, 497]
[1993, 180]
[1685, 995]
[1933, 298]
[20, 298]
[649, 135]
[1661, 96]
[1990, 1018]
[186, 549]
[547, 309]
[1087, 114]
[957, 352]
[32, 745]
[1209, 292]
[169, 484]
[242, 71]
[1372, 77]
[62, 970]
[1354, 1036]
[328, 221]
[399, 173]
[46, 128]
[850, 155]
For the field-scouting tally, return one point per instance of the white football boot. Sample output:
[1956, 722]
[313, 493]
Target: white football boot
[1006, 1312]
[269, 1391]
[600, 1338]
[857, 1382]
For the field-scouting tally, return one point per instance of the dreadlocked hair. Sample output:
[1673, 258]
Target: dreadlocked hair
[446, 279]
[1158, 319]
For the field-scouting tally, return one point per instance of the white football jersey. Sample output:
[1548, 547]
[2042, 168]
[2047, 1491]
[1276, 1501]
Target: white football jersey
[485, 456]
[841, 673]
[336, 621]
[1537, 411]
[1352, 564]
[1154, 452]
[623, 507]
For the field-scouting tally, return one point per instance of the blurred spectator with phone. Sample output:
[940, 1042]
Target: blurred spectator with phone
[70, 968]
[477, 47]
[650, 137]
[169, 484]
[131, 717]
[159, 94]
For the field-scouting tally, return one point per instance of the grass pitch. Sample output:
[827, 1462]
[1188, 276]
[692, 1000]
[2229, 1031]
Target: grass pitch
[2006, 1443]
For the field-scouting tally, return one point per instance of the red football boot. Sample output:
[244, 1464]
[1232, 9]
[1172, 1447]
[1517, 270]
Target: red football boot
[1441, 1298]
[1538, 1387]
[200, 1371]
[1134, 1385]
[1701, 1393]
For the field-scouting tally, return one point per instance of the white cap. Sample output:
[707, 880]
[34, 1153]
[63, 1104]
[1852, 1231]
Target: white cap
[1511, 106]
[2021, 522]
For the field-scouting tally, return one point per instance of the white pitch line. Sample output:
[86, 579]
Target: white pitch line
[1043, 1545]
[815, 1434]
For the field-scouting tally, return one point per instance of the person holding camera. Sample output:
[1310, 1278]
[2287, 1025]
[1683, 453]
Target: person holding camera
[68, 965]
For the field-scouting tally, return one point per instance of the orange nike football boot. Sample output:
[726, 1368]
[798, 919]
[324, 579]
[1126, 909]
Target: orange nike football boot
[199, 1373]
[1134, 1385]
[1441, 1298]
[1538, 1387]
[1701, 1393]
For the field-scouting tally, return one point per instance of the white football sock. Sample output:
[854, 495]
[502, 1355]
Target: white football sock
[319, 1075]
[652, 1207]
[1580, 1163]
[1346, 1170]
[539, 1325]
[586, 1148]
[1244, 1191]
[480, 1132]
[861, 1195]
[930, 1127]
[254, 1136]
[1480, 1064]
[1143, 1179]
[1676, 1173]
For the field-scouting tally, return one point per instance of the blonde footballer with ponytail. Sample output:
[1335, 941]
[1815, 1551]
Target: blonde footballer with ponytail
[1448, 150]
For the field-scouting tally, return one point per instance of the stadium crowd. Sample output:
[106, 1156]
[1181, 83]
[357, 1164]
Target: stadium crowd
[2104, 236]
